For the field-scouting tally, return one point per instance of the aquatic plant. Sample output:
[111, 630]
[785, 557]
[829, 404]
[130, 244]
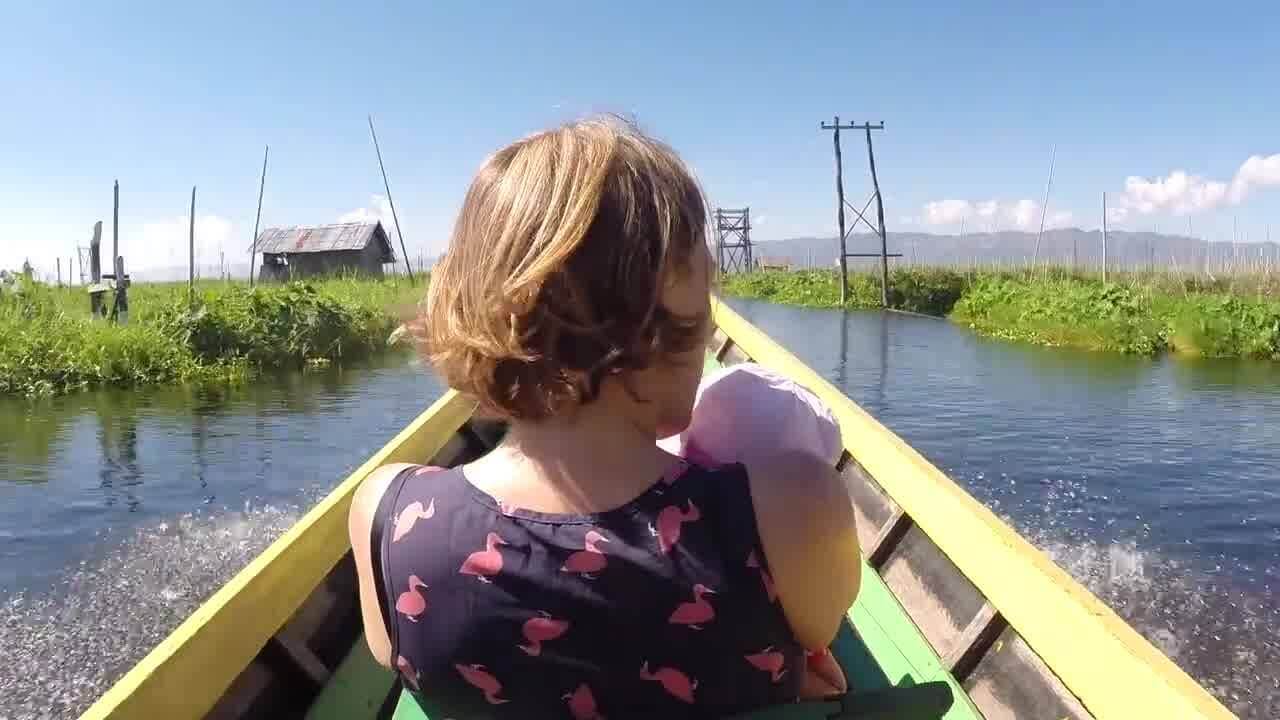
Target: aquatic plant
[50, 345]
[1138, 312]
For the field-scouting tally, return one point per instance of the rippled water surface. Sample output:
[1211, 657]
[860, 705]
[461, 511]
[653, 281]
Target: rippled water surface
[1151, 481]
[121, 511]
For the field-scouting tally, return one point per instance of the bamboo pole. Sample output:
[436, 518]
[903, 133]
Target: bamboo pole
[1053, 156]
[191, 247]
[115, 226]
[407, 267]
[253, 245]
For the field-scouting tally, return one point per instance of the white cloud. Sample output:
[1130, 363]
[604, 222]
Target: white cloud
[165, 243]
[1177, 191]
[378, 209]
[1256, 172]
[1183, 193]
[945, 212]
[991, 215]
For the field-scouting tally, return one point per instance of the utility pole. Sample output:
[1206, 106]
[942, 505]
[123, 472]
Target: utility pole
[878, 229]
[884, 240]
[407, 267]
[844, 255]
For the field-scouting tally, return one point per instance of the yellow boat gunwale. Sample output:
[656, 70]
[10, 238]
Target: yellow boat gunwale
[1107, 665]
[1104, 662]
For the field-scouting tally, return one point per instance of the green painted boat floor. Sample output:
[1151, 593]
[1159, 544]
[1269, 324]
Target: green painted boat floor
[357, 688]
[884, 648]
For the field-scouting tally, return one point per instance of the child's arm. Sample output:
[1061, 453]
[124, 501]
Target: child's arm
[807, 529]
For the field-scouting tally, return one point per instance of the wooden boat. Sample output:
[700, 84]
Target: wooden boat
[958, 616]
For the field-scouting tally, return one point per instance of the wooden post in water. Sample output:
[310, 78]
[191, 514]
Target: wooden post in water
[407, 267]
[844, 258]
[96, 292]
[253, 246]
[120, 306]
[884, 237]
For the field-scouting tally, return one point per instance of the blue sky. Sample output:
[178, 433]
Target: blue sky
[166, 96]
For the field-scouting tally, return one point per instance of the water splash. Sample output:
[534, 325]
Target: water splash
[65, 647]
[1221, 634]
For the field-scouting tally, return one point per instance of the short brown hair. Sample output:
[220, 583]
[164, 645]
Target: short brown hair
[553, 275]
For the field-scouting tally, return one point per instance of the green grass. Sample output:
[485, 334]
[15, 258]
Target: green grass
[929, 291]
[1137, 313]
[49, 344]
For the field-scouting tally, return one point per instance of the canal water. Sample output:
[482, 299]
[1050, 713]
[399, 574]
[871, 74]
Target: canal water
[1151, 481]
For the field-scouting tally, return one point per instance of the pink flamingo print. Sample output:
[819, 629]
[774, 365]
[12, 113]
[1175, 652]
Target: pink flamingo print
[539, 629]
[485, 682]
[411, 602]
[765, 578]
[484, 563]
[506, 508]
[670, 518]
[407, 671]
[771, 661]
[410, 515]
[696, 613]
[676, 683]
[582, 704]
[590, 559]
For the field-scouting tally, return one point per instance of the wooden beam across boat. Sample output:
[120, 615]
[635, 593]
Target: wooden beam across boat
[1102, 661]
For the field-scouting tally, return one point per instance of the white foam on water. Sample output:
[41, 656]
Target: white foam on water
[1223, 636]
[63, 648]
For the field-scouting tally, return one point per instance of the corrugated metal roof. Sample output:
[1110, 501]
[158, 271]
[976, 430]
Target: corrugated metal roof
[324, 238]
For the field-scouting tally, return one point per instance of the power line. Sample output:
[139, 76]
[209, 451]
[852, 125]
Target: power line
[878, 228]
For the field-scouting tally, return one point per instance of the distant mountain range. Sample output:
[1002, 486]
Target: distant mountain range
[1124, 250]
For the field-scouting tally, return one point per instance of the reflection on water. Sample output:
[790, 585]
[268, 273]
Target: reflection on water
[75, 466]
[120, 512]
[1152, 481]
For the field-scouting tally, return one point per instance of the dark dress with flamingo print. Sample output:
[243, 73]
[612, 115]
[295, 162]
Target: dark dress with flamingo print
[663, 607]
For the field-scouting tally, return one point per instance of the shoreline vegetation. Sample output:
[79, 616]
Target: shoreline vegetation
[49, 345]
[1133, 313]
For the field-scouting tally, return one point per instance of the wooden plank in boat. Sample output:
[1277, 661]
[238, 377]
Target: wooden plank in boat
[940, 599]
[903, 655]
[872, 507]
[1012, 683]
